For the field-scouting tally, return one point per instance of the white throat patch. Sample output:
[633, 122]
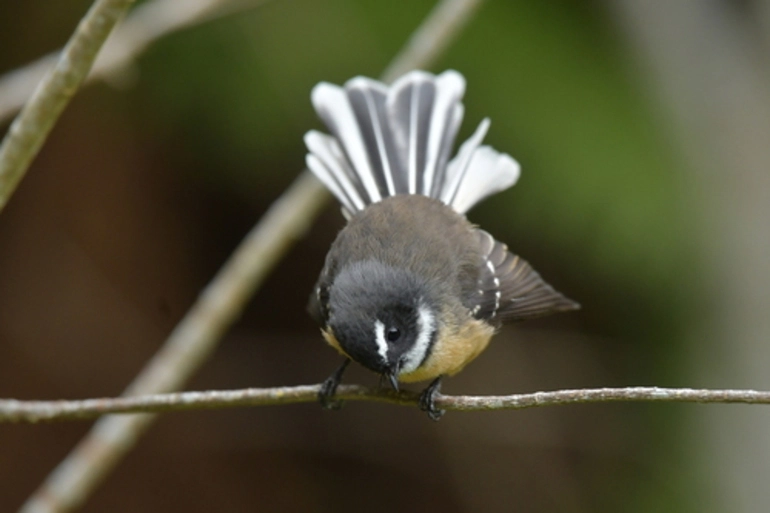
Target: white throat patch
[426, 324]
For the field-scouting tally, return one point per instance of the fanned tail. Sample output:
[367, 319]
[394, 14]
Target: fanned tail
[397, 140]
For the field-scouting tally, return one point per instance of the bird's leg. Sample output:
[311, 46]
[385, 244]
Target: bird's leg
[428, 399]
[329, 388]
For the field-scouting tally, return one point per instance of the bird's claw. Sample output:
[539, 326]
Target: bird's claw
[329, 389]
[428, 399]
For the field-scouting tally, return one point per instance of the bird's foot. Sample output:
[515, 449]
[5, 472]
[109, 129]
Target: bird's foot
[428, 399]
[329, 389]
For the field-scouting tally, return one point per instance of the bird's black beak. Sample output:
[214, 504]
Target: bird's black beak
[393, 377]
[391, 372]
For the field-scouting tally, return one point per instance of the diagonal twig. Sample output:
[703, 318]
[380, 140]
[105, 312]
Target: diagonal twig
[198, 332]
[188, 346]
[429, 41]
[39, 411]
[143, 26]
[29, 130]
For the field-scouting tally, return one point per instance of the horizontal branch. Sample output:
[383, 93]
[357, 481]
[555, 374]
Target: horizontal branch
[12, 410]
[197, 335]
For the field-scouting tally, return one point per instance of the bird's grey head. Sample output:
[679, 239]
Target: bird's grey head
[382, 317]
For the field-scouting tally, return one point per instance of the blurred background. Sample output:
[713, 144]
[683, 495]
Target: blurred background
[643, 131]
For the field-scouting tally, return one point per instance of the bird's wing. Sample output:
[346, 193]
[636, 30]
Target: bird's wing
[509, 289]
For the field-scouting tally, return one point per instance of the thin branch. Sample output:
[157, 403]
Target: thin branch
[36, 411]
[705, 65]
[198, 332]
[429, 41]
[30, 129]
[142, 27]
[189, 345]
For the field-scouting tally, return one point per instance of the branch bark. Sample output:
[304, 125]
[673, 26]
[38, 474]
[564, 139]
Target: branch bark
[705, 65]
[430, 40]
[30, 129]
[221, 302]
[142, 27]
[37, 411]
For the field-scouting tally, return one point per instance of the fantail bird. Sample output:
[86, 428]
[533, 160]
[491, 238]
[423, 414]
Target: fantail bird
[411, 289]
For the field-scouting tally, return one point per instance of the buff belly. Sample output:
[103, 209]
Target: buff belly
[453, 351]
[450, 354]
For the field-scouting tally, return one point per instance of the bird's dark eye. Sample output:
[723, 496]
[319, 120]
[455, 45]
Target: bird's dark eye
[393, 334]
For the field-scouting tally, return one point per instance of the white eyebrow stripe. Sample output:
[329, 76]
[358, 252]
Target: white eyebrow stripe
[426, 324]
[379, 338]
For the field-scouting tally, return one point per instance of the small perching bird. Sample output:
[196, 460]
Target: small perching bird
[410, 289]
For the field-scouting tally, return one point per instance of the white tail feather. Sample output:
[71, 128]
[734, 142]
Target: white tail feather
[333, 171]
[457, 169]
[366, 87]
[450, 87]
[397, 140]
[488, 173]
[333, 106]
